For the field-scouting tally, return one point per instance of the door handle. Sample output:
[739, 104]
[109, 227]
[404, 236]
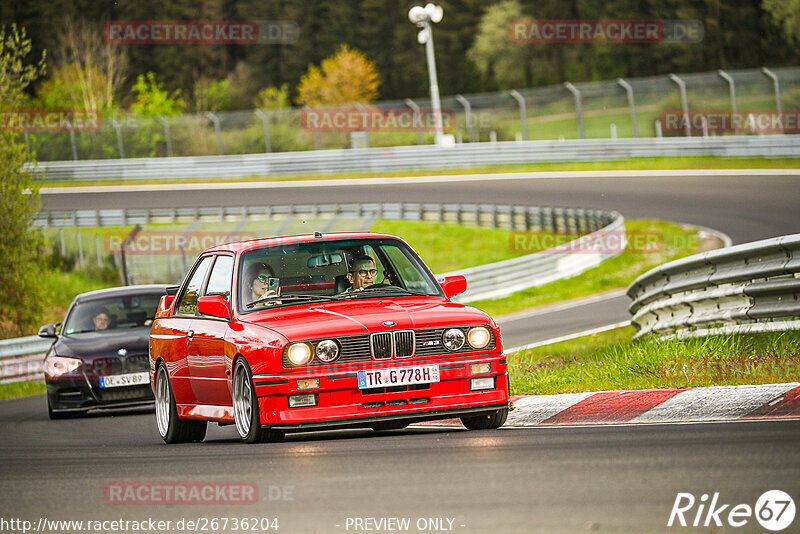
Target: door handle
[190, 334]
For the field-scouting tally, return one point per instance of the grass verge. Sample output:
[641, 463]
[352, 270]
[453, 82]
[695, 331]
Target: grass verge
[21, 389]
[673, 163]
[612, 360]
[617, 272]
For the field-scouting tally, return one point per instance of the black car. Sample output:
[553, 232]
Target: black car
[100, 355]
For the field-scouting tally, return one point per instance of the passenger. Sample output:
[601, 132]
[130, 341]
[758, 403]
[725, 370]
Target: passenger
[259, 275]
[362, 274]
[101, 319]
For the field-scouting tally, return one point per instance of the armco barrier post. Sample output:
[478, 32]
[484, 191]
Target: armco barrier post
[775, 83]
[523, 116]
[468, 114]
[732, 88]
[629, 91]
[213, 118]
[165, 124]
[413, 105]
[684, 102]
[118, 129]
[265, 124]
[578, 108]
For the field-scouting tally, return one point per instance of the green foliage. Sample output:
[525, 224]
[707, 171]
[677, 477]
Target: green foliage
[153, 100]
[210, 95]
[21, 245]
[273, 98]
[786, 14]
[496, 56]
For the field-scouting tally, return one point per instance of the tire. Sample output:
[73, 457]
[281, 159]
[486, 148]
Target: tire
[389, 425]
[170, 427]
[486, 421]
[245, 407]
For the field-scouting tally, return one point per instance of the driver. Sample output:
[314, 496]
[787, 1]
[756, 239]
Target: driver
[102, 319]
[362, 273]
[259, 274]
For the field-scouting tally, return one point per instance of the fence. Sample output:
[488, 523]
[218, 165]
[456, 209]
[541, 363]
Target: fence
[593, 110]
[752, 287]
[422, 157]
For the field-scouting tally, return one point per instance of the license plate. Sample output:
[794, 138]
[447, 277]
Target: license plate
[130, 379]
[398, 376]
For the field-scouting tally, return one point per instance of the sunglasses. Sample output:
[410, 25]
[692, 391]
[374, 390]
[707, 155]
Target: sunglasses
[367, 272]
[263, 278]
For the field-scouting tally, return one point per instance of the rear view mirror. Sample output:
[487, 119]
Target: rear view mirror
[323, 260]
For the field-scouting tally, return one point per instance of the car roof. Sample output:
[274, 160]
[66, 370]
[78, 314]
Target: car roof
[240, 246]
[123, 291]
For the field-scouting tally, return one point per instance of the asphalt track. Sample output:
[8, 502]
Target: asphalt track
[558, 479]
[594, 478]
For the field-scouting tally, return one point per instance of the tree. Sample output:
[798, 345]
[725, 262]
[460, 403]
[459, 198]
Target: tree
[786, 14]
[21, 244]
[153, 100]
[347, 76]
[273, 97]
[95, 66]
[498, 57]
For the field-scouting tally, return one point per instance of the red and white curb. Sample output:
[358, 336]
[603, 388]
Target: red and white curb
[718, 403]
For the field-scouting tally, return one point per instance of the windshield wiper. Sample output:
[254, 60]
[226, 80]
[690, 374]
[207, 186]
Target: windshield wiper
[393, 289]
[284, 298]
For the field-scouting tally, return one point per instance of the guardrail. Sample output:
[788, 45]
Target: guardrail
[486, 281]
[22, 358]
[752, 287]
[459, 156]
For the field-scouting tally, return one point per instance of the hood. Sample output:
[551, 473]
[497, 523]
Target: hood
[105, 343]
[354, 317]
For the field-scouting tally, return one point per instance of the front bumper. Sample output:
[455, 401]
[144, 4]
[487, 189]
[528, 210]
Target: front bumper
[79, 395]
[341, 403]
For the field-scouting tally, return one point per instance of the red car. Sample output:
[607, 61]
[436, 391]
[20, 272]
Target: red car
[321, 331]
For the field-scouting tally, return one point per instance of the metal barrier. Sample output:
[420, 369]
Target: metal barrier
[751, 287]
[459, 156]
[21, 358]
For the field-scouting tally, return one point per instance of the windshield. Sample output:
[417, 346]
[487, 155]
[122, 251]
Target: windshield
[108, 314]
[331, 270]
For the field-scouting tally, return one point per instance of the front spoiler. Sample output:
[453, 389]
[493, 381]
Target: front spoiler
[414, 417]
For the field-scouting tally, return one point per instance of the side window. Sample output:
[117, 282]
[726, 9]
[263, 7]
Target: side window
[408, 272]
[219, 283]
[188, 302]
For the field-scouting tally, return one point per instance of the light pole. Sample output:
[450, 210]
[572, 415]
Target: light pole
[422, 17]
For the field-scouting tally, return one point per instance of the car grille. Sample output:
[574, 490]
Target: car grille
[407, 343]
[125, 393]
[381, 346]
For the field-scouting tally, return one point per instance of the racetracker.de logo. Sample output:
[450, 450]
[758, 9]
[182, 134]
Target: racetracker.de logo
[605, 31]
[50, 120]
[194, 32]
[374, 119]
[164, 242]
[722, 121]
[185, 493]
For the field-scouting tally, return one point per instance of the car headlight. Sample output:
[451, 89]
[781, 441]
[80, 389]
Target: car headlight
[299, 353]
[59, 365]
[453, 338]
[327, 350]
[478, 337]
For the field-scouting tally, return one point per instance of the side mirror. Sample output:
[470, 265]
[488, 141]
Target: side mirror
[48, 330]
[453, 285]
[214, 305]
[166, 302]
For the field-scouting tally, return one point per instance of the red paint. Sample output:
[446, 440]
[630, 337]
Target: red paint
[612, 407]
[788, 406]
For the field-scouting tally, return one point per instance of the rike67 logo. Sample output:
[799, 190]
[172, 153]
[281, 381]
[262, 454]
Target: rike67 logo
[774, 510]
